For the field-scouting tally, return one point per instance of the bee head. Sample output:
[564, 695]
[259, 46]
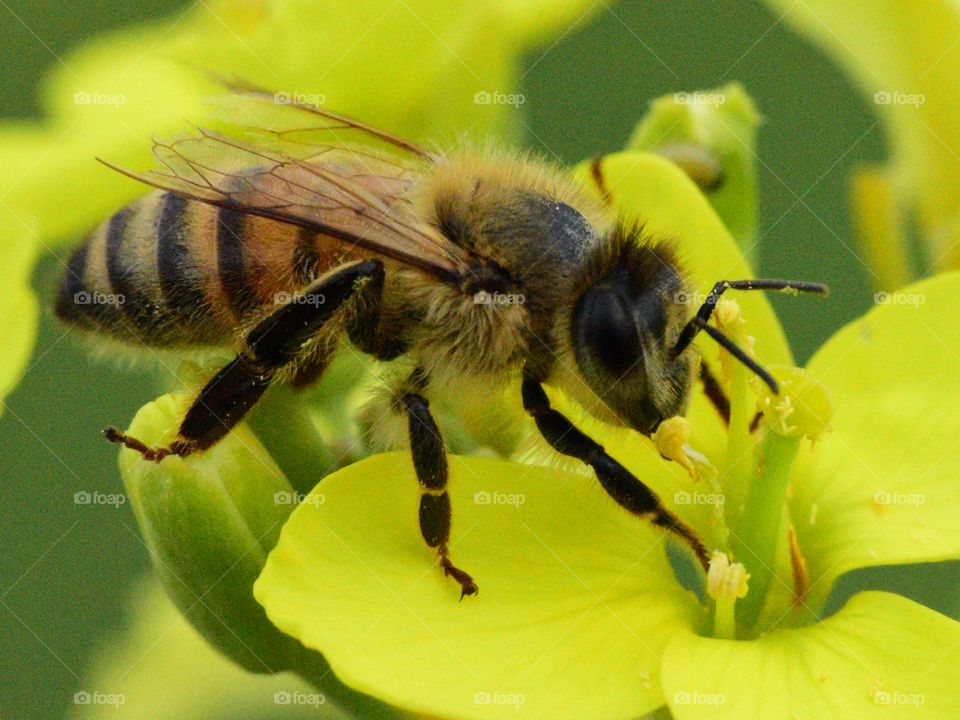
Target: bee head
[624, 327]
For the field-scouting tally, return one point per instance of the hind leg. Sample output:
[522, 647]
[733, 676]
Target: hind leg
[274, 343]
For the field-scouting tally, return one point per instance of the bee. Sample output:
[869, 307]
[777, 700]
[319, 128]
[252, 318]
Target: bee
[474, 264]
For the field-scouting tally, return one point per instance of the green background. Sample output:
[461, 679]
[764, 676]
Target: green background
[65, 569]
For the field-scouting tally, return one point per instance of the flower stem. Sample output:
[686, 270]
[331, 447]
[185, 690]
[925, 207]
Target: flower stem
[760, 531]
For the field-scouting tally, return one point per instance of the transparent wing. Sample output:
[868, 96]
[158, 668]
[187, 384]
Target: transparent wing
[299, 168]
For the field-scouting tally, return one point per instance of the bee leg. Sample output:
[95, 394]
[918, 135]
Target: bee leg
[430, 463]
[619, 482]
[273, 343]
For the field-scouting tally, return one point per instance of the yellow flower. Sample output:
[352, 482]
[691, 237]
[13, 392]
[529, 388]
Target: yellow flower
[581, 613]
[904, 56]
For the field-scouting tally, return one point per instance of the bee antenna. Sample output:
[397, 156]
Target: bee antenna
[731, 347]
[706, 310]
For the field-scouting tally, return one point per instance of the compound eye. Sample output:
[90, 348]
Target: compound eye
[605, 328]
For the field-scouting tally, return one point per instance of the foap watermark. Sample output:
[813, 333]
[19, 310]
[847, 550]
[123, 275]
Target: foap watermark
[299, 98]
[498, 298]
[684, 497]
[896, 97]
[899, 298]
[85, 697]
[894, 697]
[699, 698]
[484, 97]
[286, 697]
[83, 97]
[286, 298]
[95, 497]
[498, 697]
[882, 497]
[84, 297]
[499, 498]
[692, 298]
[292, 497]
[699, 98]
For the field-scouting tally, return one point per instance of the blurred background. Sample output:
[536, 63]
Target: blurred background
[66, 570]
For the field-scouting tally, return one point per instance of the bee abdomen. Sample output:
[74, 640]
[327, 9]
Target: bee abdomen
[171, 271]
[141, 277]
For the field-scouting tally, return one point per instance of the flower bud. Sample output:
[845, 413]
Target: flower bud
[209, 521]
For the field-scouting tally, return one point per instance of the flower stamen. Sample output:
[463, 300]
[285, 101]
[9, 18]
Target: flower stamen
[726, 583]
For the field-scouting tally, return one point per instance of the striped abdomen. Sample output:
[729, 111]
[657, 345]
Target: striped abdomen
[170, 271]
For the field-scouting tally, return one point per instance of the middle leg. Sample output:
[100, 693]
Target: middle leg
[430, 464]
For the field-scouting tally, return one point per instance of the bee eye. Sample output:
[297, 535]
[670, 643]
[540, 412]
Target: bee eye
[605, 329]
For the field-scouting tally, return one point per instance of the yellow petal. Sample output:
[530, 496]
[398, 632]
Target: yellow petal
[18, 305]
[881, 656]
[576, 596]
[904, 56]
[882, 488]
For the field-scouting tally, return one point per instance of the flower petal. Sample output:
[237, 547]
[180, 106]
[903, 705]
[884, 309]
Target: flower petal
[352, 577]
[882, 488]
[904, 56]
[881, 656]
[19, 309]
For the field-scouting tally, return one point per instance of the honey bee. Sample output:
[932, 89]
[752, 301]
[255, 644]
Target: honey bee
[476, 264]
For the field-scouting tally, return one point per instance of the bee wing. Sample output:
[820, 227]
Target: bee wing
[248, 100]
[302, 173]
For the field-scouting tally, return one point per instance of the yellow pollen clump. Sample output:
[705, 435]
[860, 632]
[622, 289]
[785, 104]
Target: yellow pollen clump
[728, 314]
[671, 439]
[726, 580]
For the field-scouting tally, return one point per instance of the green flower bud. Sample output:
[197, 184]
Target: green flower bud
[208, 522]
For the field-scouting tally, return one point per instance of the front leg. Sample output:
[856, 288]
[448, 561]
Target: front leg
[619, 482]
[430, 464]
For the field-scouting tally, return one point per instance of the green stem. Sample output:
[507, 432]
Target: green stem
[760, 532]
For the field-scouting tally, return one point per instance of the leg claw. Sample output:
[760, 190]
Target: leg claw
[467, 585]
[181, 448]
